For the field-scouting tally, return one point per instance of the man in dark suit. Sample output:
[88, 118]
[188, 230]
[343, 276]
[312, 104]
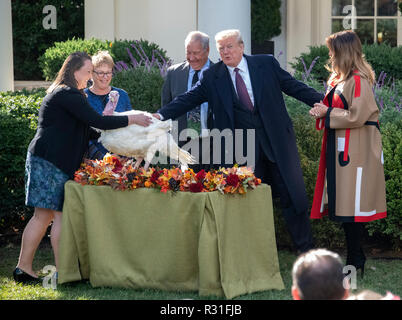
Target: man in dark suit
[183, 76]
[245, 92]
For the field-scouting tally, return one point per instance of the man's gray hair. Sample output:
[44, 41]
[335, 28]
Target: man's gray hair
[228, 34]
[202, 37]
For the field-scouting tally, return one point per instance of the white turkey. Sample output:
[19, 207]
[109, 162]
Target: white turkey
[141, 142]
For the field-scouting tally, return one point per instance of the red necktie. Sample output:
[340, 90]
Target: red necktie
[242, 90]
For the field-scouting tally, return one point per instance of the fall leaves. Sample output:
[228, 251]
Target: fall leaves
[120, 174]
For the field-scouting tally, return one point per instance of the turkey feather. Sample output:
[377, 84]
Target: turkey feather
[143, 142]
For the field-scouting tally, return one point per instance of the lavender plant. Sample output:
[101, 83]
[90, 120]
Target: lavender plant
[388, 97]
[145, 61]
[306, 75]
[142, 78]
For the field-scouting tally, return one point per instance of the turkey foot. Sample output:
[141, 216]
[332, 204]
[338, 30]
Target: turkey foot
[138, 163]
[146, 166]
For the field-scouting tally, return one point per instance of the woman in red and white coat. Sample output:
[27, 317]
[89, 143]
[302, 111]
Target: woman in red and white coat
[350, 185]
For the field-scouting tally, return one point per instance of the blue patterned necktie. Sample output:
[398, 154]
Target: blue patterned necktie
[242, 92]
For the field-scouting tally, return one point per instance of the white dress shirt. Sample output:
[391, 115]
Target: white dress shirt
[243, 71]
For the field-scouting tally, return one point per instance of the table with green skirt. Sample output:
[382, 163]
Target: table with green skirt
[213, 243]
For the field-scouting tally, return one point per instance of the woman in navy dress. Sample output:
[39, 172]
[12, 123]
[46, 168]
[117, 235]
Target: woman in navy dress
[56, 152]
[98, 96]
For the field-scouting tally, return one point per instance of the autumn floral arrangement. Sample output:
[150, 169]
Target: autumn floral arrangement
[120, 174]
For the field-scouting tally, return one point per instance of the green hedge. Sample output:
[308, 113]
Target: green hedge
[143, 86]
[265, 19]
[140, 51]
[18, 121]
[383, 58]
[392, 146]
[30, 39]
[53, 58]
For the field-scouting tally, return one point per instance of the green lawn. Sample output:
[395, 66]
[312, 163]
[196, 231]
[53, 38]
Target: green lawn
[380, 276]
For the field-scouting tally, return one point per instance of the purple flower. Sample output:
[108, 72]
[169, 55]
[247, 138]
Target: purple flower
[307, 72]
[312, 65]
[144, 60]
[325, 86]
[134, 61]
[305, 68]
[398, 106]
[143, 52]
[157, 52]
[117, 66]
[378, 82]
[138, 52]
[121, 65]
[381, 103]
[383, 79]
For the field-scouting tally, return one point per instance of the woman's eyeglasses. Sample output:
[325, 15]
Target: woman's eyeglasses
[103, 74]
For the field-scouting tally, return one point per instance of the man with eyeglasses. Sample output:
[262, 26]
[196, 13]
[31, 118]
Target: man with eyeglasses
[244, 93]
[98, 96]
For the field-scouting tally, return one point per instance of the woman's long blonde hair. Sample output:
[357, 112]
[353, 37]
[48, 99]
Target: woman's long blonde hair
[347, 56]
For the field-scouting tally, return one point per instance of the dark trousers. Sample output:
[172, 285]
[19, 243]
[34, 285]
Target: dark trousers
[298, 225]
[353, 235]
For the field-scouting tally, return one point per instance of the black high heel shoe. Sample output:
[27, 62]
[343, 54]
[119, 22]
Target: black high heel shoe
[362, 271]
[361, 268]
[358, 266]
[23, 277]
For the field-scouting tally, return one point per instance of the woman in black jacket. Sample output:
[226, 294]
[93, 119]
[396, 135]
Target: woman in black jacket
[56, 152]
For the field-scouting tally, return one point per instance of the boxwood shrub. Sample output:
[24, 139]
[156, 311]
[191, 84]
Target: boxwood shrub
[53, 58]
[18, 122]
[130, 52]
[143, 86]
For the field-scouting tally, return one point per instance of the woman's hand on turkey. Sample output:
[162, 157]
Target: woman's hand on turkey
[157, 116]
[140, 119]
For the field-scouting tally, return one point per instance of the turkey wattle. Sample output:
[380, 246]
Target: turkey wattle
[141, 142]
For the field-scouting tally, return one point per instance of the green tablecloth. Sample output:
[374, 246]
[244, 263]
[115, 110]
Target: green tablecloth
[207, 242]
